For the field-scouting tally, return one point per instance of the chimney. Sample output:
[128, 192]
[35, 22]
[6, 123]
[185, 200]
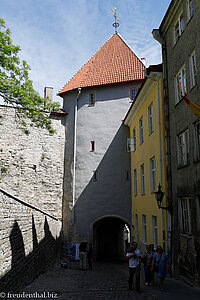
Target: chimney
[48, 92]
[143, 59]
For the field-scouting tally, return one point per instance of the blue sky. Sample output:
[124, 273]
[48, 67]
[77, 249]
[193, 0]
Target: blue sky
[58, 36]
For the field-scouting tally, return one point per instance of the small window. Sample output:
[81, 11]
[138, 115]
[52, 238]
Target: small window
[91, 99]
[190, 9]
[134, 139]
[150, 117]
[92, 146]
[141, 130]
[144, 229]
[181, 23]
[186, 215]
[183, 148]
[197, 141]
[127, 175]
[136, 228]
[193, 69]
[180, 85]
[131, 142]
[178, 28]
[132, 94]
[153, 174]
[142, 179]
[155, 230]
[95, 179]
[135, 181]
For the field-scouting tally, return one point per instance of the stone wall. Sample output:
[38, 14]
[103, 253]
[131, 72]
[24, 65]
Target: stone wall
[31, 166]
[29, 242]
[31, 188]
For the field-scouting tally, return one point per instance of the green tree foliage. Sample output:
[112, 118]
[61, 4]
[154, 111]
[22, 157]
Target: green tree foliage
[17, 89]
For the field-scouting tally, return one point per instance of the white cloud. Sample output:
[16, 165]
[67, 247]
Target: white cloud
[58, 36]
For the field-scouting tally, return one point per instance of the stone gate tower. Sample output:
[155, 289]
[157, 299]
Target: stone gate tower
[96, 202]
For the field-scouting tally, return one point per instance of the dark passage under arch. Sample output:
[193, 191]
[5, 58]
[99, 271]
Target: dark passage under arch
[108, 238]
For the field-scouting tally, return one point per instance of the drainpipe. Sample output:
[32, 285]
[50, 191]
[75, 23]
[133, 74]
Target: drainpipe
[160, 153]
[75, 132]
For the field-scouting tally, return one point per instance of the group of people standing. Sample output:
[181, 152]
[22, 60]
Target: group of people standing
[85, 255]
[155, 262]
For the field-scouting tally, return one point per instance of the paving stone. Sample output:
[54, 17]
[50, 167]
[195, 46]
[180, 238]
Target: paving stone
[105, 281]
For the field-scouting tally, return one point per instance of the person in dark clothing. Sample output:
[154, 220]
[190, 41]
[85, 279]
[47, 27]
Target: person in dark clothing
[90, 254]
[147, 258]
[83, 255]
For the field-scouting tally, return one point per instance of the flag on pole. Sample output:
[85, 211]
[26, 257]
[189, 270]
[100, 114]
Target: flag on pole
[195, 108]
[115, 15]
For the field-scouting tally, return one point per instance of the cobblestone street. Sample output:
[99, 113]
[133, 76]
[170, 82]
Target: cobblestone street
[108, 280]
[105, 281]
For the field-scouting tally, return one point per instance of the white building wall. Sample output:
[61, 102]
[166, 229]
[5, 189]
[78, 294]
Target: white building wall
[102, 123]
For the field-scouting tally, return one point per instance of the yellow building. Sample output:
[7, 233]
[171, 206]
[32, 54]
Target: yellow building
[147, 147]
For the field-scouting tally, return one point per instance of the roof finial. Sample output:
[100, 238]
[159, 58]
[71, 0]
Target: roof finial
[116, 24]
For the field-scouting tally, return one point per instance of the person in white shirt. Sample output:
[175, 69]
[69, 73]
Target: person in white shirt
[134, 257]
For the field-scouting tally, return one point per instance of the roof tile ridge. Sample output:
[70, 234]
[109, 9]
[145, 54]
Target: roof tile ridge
[86, 63]
[131, 49]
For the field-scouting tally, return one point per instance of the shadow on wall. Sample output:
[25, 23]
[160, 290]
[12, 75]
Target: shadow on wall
[24, 268]
[110, 192]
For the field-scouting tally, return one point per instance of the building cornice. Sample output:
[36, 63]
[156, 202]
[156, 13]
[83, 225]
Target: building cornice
[144, 93]
[167, 20]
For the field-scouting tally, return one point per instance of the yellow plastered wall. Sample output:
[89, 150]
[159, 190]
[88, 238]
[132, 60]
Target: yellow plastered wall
[146, 204]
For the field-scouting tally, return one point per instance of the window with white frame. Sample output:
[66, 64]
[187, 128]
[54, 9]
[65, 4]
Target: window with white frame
[135, 181]
[150, 118]
[134, 139]
[142, 179]
[155, 230]
[132, 94]
[178, 28]
[180, 85]
[144, 229]
[131, 142]
[193, 69]
[130, 145]
[141, 130]
[153, 174]
[197, 141]
[183, 148]
[190, 9]
[91, 98]
[186, 215]
[136, 228]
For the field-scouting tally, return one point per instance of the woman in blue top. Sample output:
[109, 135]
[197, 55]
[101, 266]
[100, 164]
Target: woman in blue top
[161, 262]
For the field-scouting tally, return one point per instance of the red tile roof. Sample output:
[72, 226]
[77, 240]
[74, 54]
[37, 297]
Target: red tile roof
[114, 62]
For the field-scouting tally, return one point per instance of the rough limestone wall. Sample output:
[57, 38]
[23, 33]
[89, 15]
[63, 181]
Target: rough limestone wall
[31, 187]
[29, 243]
[31, 167]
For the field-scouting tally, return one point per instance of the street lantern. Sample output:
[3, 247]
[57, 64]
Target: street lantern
[159, 197]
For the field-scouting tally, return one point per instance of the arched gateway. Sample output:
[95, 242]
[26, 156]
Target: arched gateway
[111, 237]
